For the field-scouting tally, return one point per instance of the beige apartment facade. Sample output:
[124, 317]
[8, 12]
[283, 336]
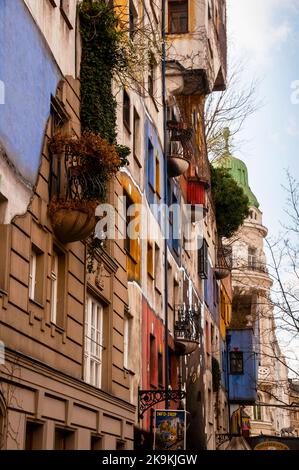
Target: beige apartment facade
[63, 379]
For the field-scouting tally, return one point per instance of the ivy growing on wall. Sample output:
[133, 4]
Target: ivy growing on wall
[216, 374]
[102, 57]
[231, 203]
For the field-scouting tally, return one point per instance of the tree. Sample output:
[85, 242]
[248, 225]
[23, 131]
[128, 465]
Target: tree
[230, 108]
[231, 204]
[284, 270]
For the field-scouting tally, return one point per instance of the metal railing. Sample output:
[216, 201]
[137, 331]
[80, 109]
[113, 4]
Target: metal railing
[187, 323]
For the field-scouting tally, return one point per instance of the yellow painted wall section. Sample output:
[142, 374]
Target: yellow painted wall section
[134, 258]
[225, 312]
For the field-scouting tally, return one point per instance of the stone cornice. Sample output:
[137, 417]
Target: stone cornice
[43, 369]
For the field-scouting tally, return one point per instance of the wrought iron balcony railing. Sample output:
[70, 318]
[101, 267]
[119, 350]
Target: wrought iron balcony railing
[223, 261]
[187, 328]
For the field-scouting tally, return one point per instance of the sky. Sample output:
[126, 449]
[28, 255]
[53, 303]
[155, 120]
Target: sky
[265, 34]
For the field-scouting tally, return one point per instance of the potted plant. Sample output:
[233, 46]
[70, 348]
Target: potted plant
[89, 162]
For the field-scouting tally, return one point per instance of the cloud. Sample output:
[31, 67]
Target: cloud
[259, 27]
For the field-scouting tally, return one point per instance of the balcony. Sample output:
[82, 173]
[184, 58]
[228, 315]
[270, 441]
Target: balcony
[197, 194]
[180, 149]
[197, 52]
[80, 169]
[187, 329]
[223, 262]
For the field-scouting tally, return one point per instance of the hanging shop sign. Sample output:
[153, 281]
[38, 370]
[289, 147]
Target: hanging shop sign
[170, 430]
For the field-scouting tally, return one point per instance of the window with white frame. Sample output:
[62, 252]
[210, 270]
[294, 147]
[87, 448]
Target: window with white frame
[252, 257]
[93, 341]
[54, 287]
[36, 275]
[32, 275]
[126, 341]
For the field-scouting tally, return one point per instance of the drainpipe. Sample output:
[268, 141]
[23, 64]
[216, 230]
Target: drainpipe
[166, 351]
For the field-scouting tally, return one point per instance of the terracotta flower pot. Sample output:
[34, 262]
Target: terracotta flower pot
[71, 225]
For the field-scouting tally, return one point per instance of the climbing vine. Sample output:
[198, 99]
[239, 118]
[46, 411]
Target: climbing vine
[216, 374]
[102, 56]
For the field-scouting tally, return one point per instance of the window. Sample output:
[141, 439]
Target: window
[131, 240]
[151, 165]
[65, 11]
[257, 410]
[3, 206]
[34, 436]
[160, 370]
[177, 16]
[36, 275]
[58, 287]
[93, 342]
[54, 287]
[151, 75]
[150, 260]
[32, 274]
[252, 257]
[120, 445]
[203, 262]
[236, 363]
[133, 17]
[96, 442]
[136, 136]
[158, 177]
[126, 341]
[127, 111]
[152, 360]
[64, 439]
[158, 270]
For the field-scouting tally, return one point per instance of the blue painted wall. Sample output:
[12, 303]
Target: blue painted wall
[211, 292]
[242, 387]
[153, 150]
[30, 75]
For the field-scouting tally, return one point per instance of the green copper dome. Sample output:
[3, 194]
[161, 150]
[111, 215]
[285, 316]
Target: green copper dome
[237, 169]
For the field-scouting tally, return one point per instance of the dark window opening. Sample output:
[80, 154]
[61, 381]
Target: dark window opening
[126, 110]
[203, 262]
[96, 443]
[177, 16]
[34, 436]
[132, 20]
[160, 370]
[236, 363]
[152, 360]
[129, 219]
[64, 439]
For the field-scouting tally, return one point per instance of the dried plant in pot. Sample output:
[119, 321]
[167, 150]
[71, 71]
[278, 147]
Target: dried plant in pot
[89, 163]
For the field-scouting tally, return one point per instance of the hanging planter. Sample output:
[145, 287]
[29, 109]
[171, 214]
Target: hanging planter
[83, 168]
[71, 220]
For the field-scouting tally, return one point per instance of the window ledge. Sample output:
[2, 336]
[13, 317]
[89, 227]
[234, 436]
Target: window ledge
[38, 304]
[57, 328]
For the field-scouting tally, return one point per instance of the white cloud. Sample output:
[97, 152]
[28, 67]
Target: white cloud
[258, 27]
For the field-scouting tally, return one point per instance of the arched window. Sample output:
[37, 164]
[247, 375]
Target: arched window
[257, 410]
